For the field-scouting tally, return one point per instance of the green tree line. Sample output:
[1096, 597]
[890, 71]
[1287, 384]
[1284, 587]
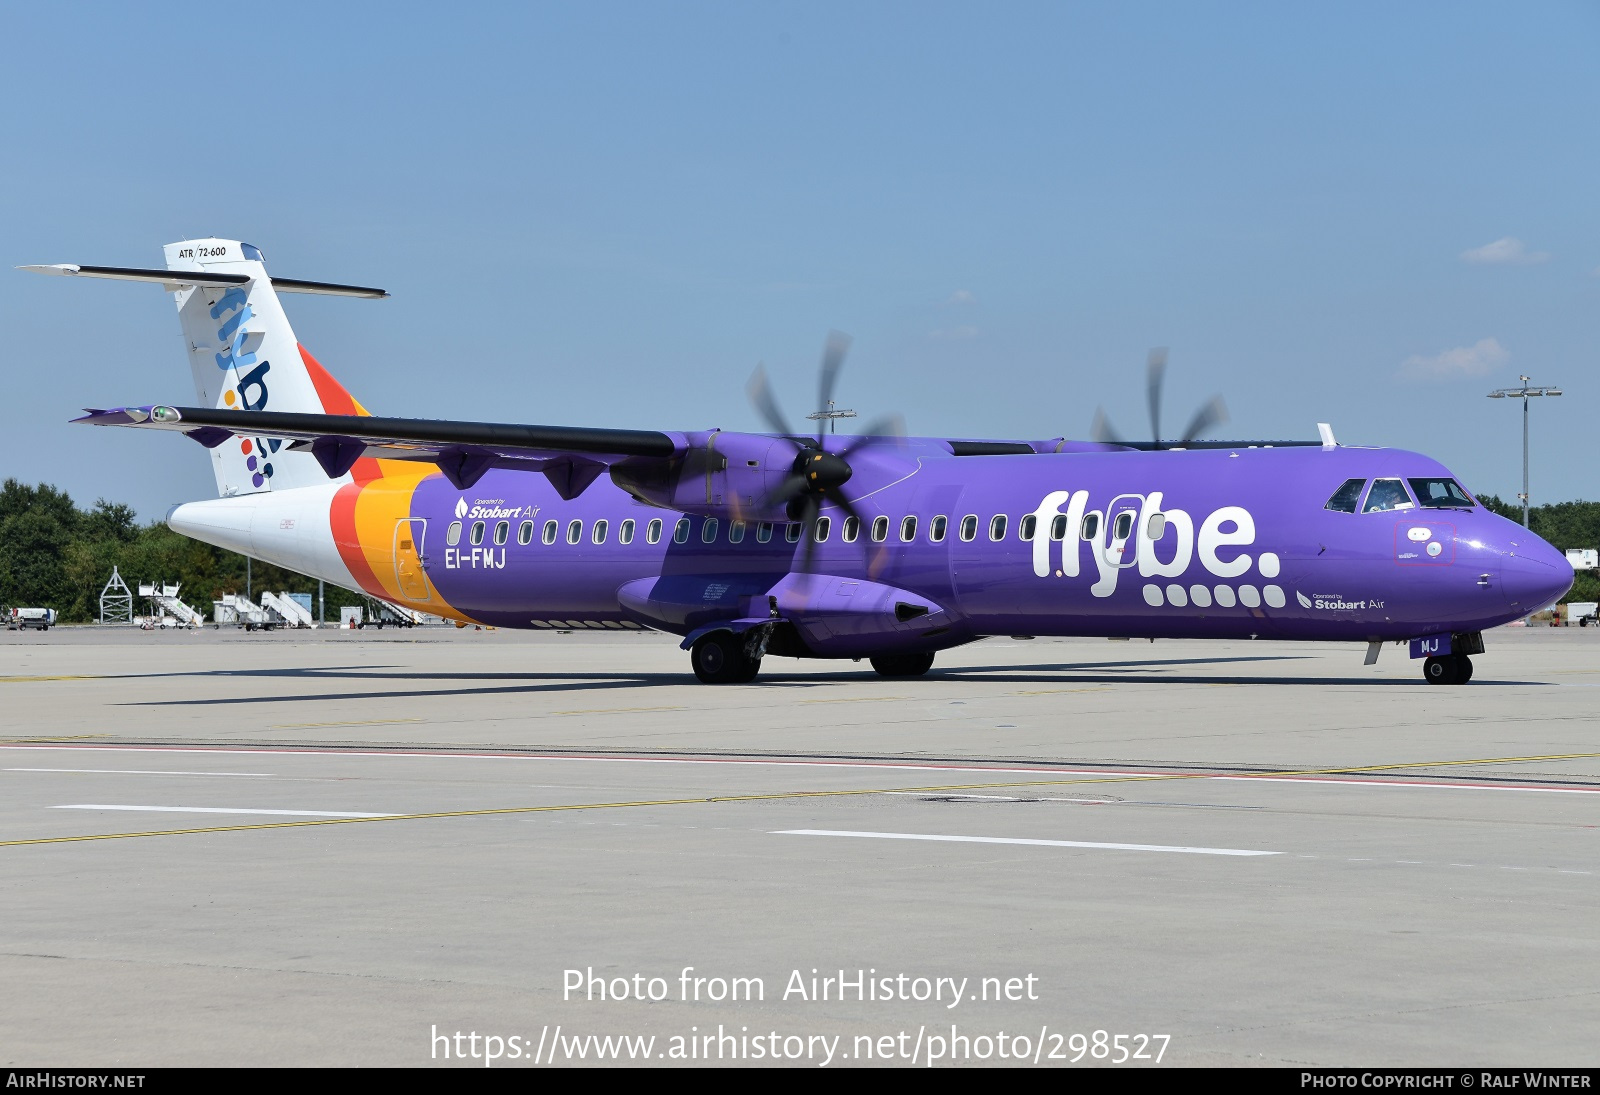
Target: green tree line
[1564, 525]
[54, 554]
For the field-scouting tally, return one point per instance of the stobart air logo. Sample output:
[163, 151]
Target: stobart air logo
[482, 550]
[247, 386]
[1136, 532]
[490, 509]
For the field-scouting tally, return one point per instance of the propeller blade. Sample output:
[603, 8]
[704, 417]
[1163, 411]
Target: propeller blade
[1212, 414]
[1155, 368]
[811, 508]
[761, 397]
[833, 352]
[888, 430]
[792, 487]
[1102, 431]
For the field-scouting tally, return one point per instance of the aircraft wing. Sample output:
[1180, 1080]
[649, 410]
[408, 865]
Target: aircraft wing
[570, 456]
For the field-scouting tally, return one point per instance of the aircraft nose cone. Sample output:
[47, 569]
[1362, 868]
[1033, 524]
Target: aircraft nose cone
[1536, 576]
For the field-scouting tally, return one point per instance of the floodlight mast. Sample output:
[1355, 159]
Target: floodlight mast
[1525, 393]
[831, 416]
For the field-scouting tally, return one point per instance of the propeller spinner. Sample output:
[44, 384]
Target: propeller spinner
[817, 475]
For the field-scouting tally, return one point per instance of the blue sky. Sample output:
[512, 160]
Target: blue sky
[601, 214]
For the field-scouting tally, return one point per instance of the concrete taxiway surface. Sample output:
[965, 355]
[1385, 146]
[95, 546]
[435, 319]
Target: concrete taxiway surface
[330, 847]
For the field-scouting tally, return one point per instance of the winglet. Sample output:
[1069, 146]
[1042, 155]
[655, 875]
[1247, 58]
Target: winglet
[1328, 441]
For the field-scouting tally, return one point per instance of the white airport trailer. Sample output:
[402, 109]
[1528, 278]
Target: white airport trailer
[20, 619]
[1584, 558]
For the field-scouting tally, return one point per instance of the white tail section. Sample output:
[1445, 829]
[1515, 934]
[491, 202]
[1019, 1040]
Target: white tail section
[244, 356]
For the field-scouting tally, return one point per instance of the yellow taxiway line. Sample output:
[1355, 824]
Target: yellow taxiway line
[778, 795]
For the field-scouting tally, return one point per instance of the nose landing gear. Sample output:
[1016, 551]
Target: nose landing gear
[1449, 669]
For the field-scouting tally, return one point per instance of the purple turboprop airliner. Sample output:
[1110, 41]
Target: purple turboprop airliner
[879, 546]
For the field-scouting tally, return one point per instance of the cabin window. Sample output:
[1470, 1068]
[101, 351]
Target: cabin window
[937, 528]
[652, 532]
[574, 531]
[997, 527]
[908, 529]
[820, 529]
[1440, 494]
[1058, 527]
[680, 531]
[625, 531]
[791, 532]
[851, 530]
[1345, 498]
[1156, 527]
[1026, 527]
[452, 535]
[969, 527]
[736, 532]
[1122, 527]
[1386, 494]
[550, 529]
[880, 529]
[1091, 526]
[763, 531]
[525, 533]
[502, 532]
[477, 533]
[708, 531]
[600, 531]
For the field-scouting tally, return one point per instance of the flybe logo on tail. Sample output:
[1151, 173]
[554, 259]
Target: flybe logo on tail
[248, 390]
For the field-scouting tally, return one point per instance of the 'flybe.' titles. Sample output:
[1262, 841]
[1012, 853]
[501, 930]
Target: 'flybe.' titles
[1135, 532]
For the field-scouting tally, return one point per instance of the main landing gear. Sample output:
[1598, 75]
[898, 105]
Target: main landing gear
[902, 665]
[725, 658]
[1449, 669]
[720, 658]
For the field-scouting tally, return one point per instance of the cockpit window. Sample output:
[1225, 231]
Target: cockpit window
[1345, 498]
[1440, 494]
[1386, 494]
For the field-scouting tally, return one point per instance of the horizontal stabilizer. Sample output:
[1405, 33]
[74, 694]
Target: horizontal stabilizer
[198, 277]
[128, 273]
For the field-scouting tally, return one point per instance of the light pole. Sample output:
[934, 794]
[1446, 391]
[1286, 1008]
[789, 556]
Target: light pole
[831, 416]
[1524, 393]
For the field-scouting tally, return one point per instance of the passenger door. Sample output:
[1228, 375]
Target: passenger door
[410, 561]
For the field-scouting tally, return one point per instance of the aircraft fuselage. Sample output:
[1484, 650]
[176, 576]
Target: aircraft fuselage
[1037, 545]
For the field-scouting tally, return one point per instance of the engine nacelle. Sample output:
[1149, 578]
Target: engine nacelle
[720, 474]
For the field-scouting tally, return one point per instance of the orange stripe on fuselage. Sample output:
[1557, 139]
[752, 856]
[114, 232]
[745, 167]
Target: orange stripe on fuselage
[365, 513]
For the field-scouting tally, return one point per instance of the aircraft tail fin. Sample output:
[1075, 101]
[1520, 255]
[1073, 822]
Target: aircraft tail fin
[243, 353]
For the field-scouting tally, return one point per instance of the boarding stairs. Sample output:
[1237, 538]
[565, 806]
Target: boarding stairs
[380, 613]
[292, 612]
[240, 612]
[164, 599]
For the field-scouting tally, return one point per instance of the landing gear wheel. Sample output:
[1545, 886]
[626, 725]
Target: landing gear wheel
[1450, 669]
[719, 658]
[902, 665]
